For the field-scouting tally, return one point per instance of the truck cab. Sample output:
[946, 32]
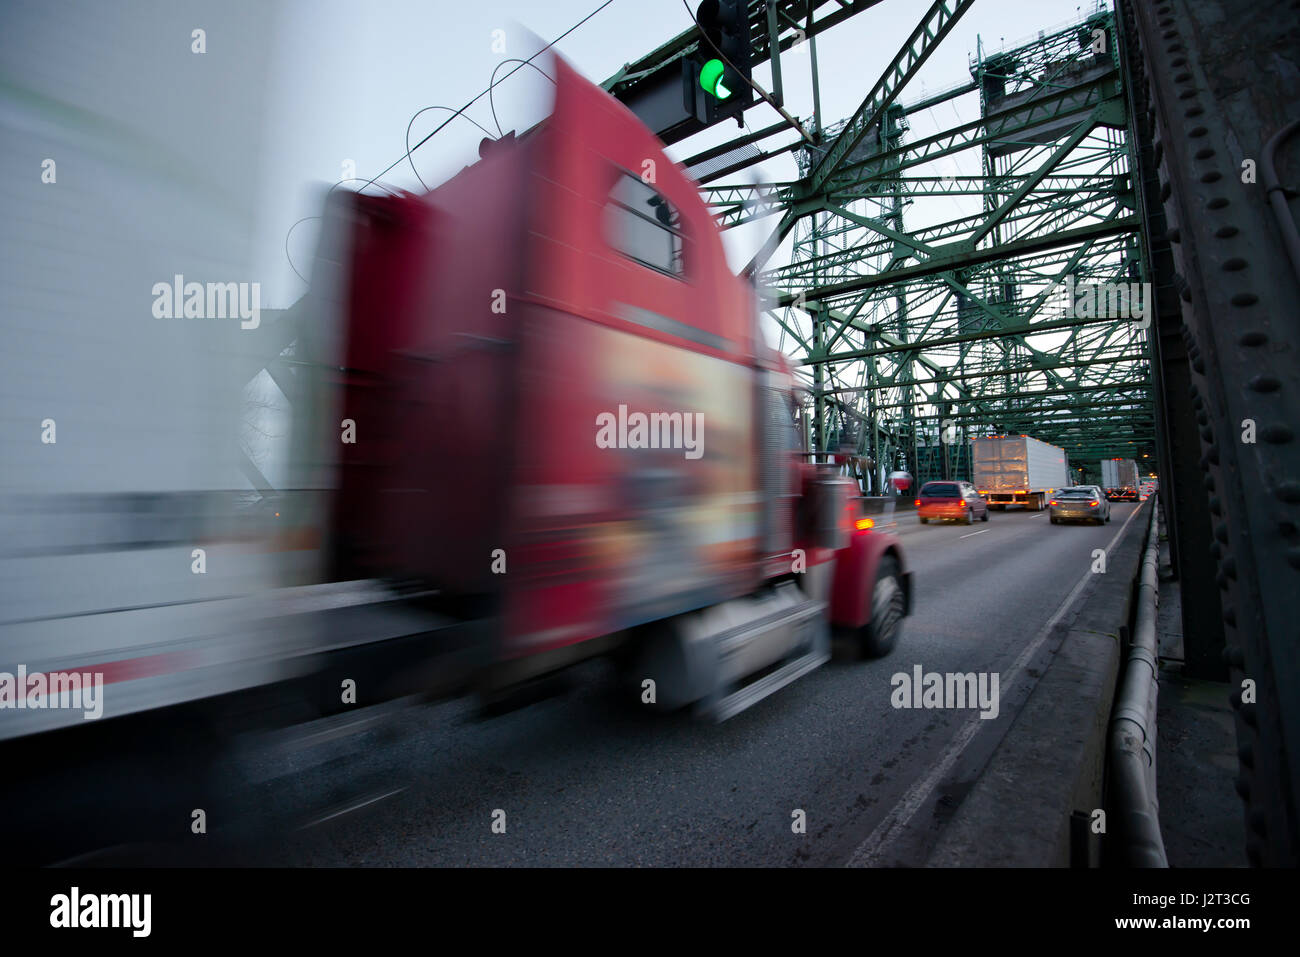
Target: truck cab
[568, 424]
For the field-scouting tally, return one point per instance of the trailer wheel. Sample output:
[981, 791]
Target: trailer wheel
[878, 636]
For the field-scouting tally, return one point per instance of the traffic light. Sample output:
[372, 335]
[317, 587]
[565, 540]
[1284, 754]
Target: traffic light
[712, 75]
[723, 69]
[679, 97]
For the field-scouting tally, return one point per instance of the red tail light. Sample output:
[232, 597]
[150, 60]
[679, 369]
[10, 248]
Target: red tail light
[918, 503]
[1094, 503]
[1055, 502]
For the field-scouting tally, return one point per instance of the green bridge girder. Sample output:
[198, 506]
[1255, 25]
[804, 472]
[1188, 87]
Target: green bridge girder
[904, 324]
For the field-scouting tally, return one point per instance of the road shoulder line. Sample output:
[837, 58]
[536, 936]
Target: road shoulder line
[874, 850]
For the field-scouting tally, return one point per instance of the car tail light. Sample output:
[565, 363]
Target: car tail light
[1094, 503]
[1055, 502]
[918, 503]
[863, 524]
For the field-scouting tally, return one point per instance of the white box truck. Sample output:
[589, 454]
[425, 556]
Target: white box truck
[1119, 478]
[1017, 470]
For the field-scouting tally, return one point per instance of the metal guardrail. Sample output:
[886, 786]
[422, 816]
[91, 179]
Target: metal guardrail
[1133, 723]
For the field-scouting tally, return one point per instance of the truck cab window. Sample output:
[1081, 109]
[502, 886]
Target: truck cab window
[642, 225]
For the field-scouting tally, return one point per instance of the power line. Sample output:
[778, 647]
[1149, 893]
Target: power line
[416, 114]
[494, 83]
[492, 101]
[455, 113]
[306, 219]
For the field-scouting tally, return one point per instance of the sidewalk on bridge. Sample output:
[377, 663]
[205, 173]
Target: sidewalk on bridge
[1201, 817]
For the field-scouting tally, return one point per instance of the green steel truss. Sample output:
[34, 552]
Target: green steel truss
[921, 298]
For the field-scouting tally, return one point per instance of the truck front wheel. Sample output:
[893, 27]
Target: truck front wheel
[888, 603]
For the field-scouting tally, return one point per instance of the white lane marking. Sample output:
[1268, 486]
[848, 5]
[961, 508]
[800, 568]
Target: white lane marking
[980, 532]
[366, 802]
[871, 852]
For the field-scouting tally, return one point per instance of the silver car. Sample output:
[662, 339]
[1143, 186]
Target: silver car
[1079, 503]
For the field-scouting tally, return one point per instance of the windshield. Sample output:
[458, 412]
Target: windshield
[940, 490]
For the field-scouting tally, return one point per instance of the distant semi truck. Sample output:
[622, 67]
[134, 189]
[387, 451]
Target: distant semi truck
[1017, 470]
[1119, 478]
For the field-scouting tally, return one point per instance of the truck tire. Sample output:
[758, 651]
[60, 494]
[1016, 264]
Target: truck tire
[878, 636]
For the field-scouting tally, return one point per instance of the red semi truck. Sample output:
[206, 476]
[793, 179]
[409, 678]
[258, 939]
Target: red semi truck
[534, 422]
[567, 423]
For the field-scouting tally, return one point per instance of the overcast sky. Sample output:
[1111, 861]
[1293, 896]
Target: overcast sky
[346, 78]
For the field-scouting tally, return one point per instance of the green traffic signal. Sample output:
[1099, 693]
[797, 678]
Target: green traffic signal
[711, 79]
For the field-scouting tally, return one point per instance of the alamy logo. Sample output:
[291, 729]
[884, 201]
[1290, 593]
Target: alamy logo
[215, 300]
[934, 690]
[653, 430]
[75, 909]
[56, 689]
[1106, 300]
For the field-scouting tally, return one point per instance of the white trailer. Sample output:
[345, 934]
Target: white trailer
[1017, 470]
[1117, 474]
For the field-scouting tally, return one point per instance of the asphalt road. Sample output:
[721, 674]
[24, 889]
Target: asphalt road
[584, 778]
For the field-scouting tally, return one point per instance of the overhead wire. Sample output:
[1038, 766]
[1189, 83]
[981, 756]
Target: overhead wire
[415, 115]
[488, 90]
[306, 219]
[491, 99]
[460, 112]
